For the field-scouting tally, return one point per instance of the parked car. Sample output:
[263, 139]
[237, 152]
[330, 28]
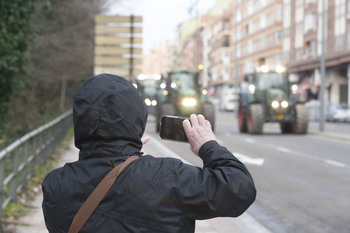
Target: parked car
[229, 105]
[313, 107]
[348, 115]
[338, 113]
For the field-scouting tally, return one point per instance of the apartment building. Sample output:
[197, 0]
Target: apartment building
[218, 48]
[302, 45]
[247, 34]
[258, 26]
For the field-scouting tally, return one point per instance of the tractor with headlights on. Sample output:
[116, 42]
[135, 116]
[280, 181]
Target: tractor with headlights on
[270, 97]
[182, 95]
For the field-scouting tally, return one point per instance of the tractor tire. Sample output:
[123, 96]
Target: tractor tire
[242, 119]
[255, 119]
[209, 114]
[165, 109]
[300, 126]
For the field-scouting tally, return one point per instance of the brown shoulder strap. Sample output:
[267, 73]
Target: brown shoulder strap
[97, 195]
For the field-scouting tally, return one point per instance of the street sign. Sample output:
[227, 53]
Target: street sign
[118, 45]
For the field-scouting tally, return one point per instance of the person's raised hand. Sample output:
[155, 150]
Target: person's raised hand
[198, 131]
[145, 139]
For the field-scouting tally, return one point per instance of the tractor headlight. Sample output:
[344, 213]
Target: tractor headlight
[275, 104]
[284, 104]
[148, 102]
[251, 89]
[189, 102]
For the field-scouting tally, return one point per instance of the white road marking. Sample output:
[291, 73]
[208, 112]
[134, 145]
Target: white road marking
[334, 163]
[249, 140]
[247, 160]
[247, 223]
[285, 150]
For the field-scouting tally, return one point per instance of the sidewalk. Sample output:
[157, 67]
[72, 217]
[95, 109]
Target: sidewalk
[334, 130]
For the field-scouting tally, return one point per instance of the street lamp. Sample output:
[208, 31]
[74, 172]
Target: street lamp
[322, 67]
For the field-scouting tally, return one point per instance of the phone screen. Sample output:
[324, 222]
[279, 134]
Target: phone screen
[171, 128]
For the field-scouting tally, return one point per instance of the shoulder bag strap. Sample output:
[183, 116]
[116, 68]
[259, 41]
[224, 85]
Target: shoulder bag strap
[97, 195]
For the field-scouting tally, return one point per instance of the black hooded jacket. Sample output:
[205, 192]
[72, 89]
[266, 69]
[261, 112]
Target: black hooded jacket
[152, 194]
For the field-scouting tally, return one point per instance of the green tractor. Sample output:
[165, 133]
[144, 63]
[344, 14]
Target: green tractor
[269, 97]
[148, 85]
[181, 95]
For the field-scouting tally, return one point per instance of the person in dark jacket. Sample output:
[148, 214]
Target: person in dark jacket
[152, 194]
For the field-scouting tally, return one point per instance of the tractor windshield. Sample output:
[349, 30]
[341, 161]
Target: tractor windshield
[149, 86]
[271, 80]
[183, 81]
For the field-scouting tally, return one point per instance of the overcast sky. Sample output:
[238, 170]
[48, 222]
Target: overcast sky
[160, 17]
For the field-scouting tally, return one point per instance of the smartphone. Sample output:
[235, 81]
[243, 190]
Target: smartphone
[171, 128]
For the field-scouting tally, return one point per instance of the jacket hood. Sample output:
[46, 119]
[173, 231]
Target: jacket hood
[109, 118]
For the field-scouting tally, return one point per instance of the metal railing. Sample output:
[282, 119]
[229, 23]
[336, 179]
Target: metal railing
[18, 161]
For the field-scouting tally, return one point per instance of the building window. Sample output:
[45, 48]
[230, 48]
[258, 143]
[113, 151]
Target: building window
[309, 1]
[286, 32]
[299, 36]
[340, 9]
[278, 37]
[250, 8]
[339, 43]
[286, 57]
[225, 73]
[298, 54]
[226, 41]
[226, 25]
[339, 25]
[263, 44]
[278, 59]
[309, 23]
[309, 49]
[261, 61]
[263, 3]
[250, 47]
[263, 22]
[225, 57]
[278, 14]
[238, 16]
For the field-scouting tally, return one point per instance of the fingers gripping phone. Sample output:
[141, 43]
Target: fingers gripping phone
[171, 128]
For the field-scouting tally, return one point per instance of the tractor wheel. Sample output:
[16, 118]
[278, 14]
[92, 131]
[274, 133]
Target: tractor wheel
[255, 119]
[165, 109]
[242, 120]
[209, 114]
[301, 124]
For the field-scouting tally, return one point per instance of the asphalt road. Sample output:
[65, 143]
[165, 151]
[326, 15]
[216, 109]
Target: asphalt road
[303, 181]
